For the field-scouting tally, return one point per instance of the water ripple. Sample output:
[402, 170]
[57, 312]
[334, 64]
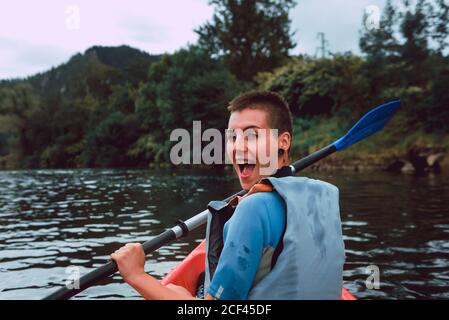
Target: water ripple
[54, 219]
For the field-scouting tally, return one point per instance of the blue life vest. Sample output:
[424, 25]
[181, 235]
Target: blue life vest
[308, 261]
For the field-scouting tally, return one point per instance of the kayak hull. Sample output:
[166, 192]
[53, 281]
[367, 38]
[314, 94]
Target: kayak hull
[187, 272]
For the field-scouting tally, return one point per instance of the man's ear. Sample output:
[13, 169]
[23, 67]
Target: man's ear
[284, 141]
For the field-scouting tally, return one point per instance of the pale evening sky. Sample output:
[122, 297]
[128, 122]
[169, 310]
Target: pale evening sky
[36, 35]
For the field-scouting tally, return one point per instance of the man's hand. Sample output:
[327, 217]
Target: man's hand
[130, 260]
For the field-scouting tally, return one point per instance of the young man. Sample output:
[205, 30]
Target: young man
[281, 241]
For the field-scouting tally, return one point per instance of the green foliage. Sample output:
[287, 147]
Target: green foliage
[440, 30]
[20, 107]
[415, 29]
[319, 87]
[437, 113]
[251, 35]
[186, 86]
[107, 141]
[312, 134]
[52, 119]
[381, 44]
[398, 63]
[116, 106]
[3, 144]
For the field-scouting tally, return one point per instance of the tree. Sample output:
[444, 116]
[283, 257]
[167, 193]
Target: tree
[382, 50]
[27, 121]
[381, 43]
[441, 26]
[186, 86]
[108, 140]
[437, 116]
[320, 87]
[419, 67]
[251, 35]
[415, 30]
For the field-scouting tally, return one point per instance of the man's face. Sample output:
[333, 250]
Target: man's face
[249, 145]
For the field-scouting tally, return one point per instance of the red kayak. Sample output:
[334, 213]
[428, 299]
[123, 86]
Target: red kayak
[188, 271]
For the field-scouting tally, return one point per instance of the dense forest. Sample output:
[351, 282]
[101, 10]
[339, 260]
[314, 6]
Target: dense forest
[116, 106]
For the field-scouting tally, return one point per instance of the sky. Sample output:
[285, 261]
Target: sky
[36, 35]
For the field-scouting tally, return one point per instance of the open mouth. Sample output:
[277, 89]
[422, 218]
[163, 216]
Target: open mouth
[246, 169]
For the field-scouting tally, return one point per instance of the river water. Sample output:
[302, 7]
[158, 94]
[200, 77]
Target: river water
[51, 220]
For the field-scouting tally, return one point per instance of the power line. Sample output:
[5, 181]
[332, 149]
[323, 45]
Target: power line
[322, 47]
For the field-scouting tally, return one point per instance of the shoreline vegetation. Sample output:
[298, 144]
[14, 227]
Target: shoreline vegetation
[394, 149]
[115, 107]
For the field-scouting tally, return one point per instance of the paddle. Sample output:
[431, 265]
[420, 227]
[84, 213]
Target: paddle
[369, 124]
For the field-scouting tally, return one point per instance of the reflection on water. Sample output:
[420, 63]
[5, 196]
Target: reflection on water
[52, 219]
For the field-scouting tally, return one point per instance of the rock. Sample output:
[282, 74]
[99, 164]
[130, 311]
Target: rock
[418, 160]
[408, 168]
[434, 159]
[396, 166]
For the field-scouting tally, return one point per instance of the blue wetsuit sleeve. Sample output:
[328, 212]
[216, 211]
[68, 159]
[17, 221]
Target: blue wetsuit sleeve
[257, 223]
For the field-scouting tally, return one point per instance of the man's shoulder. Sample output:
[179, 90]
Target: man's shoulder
[299, 183]
[260, 198]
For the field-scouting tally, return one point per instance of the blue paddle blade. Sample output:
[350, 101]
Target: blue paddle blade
[371, 123]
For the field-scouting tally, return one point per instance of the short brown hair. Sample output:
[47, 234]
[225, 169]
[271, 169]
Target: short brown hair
[277, 109]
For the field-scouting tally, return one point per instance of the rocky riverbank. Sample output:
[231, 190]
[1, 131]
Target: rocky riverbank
[415, 161]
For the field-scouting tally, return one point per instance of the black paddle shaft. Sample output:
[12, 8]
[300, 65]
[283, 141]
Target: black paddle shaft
[109, 268]
[314, 157]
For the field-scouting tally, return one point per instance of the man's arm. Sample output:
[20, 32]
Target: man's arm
[257, 223]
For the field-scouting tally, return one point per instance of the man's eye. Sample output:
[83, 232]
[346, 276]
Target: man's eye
[230, 137]
[251, 135]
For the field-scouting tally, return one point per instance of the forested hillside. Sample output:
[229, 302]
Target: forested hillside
[116, 106]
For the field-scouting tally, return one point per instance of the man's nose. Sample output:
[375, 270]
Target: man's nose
[240, 144]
